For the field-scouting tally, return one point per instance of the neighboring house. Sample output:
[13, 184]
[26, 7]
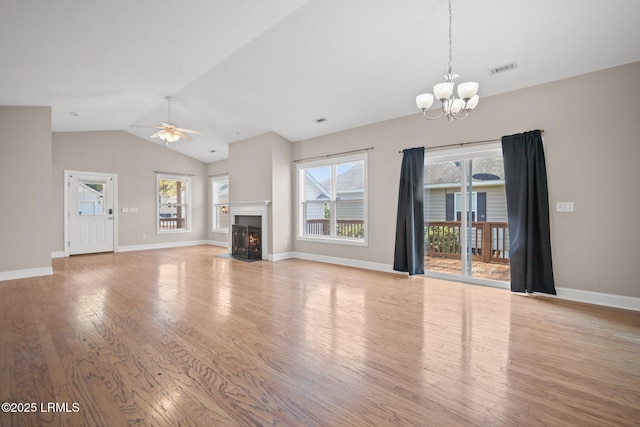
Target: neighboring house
[349, 186]
[90, 199]
[442, 194]
[443, 203]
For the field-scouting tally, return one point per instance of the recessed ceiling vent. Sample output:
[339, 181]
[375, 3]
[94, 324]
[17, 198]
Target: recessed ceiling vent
[502, 69]
[320, 120]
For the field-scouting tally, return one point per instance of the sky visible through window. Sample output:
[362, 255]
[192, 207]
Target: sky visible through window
[323, 173]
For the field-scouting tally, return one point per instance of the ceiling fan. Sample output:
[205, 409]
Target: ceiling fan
[171, 133]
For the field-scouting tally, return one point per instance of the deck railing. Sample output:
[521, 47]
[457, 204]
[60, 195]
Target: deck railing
[171, 223]
[489, 240]
[344, 227]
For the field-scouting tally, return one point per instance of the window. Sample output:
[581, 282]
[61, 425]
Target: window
[220, 203]
[90, 198]
[332, 196]
[174, 203]
[473, 208]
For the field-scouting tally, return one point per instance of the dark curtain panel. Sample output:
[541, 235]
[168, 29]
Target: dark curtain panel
[525, 176]
[409, 252]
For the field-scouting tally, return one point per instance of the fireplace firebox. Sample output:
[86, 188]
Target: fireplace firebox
[246, 235]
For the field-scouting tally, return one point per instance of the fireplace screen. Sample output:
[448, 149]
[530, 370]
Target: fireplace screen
[247, 242]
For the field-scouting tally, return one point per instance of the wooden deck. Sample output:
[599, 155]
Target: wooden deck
[182, 337]
[480, 270]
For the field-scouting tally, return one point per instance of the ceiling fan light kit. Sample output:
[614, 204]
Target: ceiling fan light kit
[453, 108]
[171, 133]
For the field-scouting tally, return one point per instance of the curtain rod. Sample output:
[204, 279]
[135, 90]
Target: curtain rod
[219, 174]
[174, 173]
[334, 154]
[461, 144]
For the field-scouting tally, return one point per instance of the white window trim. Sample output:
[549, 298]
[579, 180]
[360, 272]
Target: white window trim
[463, 153]
[215, 203]
[189, 218]
[300, 166]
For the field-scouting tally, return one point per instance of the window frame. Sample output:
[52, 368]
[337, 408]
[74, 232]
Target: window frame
[187, 205]
[457, 207]
[333, 162]
[215, 203]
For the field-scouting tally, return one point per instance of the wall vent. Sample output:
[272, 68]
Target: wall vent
[503, 68]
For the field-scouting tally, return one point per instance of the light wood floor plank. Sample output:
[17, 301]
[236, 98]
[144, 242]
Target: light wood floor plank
[183, 337]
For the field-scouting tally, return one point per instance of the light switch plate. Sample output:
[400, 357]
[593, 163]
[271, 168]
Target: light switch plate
[564, 207]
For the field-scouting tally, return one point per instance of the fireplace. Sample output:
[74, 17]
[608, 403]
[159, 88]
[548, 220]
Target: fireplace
[246, 237]
[254, 214]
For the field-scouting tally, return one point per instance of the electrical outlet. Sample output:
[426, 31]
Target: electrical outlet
[564, 207]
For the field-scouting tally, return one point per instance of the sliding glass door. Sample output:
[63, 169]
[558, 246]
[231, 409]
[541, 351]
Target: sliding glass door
[466, 214]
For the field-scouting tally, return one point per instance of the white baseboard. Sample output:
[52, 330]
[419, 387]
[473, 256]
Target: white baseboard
[24, 274]
[281, 256]
[578, 295]
[598, 298]
[167, 245]
[367, 265]
[217, 243]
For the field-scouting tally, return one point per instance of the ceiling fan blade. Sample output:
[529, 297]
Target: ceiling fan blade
[147, 127]
[195, 132]
[182, 135]
[157, 134]
[168, 125]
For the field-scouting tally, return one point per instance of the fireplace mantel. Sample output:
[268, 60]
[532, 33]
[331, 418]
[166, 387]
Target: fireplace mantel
[255, 208]
[257, 203]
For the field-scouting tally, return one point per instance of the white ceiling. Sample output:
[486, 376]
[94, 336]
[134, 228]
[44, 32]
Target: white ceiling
[240, 68]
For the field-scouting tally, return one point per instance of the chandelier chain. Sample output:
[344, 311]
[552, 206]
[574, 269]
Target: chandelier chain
[452, 107]
[450, 43]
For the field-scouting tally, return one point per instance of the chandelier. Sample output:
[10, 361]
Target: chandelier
[452, 107]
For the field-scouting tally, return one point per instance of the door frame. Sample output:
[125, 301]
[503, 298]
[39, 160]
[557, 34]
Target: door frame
[464, 154]
[67, 211]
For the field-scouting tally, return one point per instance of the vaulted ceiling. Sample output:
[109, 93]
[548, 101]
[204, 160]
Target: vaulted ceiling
[236, 69]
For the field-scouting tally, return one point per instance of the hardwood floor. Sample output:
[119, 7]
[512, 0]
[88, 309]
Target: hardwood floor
[183, 337]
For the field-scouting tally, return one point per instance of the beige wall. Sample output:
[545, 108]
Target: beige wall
[260, 168]
[591, 143]
[134, 160]
[281, 197]
[592, 150]
[250, 169]
[25, 173]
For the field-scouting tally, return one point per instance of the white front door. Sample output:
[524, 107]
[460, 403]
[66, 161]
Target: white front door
[91, 212]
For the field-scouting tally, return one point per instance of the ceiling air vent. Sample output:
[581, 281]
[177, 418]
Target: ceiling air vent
[502, 69]
[320, 120]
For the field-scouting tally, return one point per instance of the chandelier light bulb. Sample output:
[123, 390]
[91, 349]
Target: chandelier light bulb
[443, 91]
[467, 90]
[424, 101]
[473, 102]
